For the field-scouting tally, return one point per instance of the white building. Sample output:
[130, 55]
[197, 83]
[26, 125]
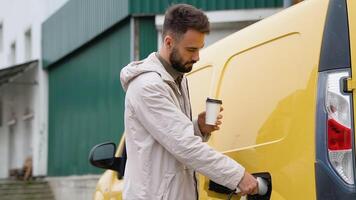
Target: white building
[23, 85]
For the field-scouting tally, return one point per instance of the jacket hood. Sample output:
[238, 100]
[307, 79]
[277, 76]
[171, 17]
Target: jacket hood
[136, 68]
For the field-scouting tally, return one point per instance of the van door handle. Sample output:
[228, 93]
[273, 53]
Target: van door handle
[348, 85]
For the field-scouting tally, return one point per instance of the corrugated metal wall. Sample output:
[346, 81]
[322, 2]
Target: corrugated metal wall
[86, 101]
[159, 6]
[79, 21]
[147, 36]
[76, 23]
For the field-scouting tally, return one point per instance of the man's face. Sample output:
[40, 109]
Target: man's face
[185, 50]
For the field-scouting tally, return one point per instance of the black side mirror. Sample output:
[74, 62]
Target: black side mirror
[103, 156]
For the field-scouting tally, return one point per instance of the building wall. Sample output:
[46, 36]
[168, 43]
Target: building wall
[73, 187]
[159, 6]
[86, 101]
[17, 17]
[225, 22]
[26, 137]
[4, 152]
[77, 23]
[17, 103]
[18, 126]
[80, 21]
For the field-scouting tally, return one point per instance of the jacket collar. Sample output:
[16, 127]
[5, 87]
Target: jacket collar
[160, 68]
[176, 75]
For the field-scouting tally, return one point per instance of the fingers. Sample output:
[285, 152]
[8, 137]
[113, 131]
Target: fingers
[218, 123]
[252, 190]
[202, 114]
[249, 191]
[221, 109]
[248, 184]
[255, 191]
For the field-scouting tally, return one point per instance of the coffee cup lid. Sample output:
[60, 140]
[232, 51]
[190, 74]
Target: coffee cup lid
[213, 100]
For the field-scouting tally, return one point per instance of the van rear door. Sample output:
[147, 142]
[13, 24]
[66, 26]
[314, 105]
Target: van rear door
[335, 129]
[351, 9]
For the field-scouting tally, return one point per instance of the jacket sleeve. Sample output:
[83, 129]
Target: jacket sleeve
[205, 137]
[156, 111]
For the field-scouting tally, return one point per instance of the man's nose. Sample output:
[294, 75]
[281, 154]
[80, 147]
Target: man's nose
[196, 57]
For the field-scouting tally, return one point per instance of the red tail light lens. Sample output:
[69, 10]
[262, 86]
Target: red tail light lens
[339, 136]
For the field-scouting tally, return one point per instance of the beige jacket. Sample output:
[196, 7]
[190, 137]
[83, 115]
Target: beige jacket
[164, 146]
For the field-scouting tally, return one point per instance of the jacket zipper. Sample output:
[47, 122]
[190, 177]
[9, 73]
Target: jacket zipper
[173, 86]
[196, 186]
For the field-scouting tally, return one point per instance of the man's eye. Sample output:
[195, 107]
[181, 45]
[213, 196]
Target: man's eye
[192, 50]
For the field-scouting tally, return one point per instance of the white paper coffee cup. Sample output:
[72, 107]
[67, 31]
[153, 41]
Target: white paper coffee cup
[212, 110]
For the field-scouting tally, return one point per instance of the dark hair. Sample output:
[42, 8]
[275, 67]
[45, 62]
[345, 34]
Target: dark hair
[181, 17]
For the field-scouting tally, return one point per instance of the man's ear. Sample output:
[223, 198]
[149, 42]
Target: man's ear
[168, 42]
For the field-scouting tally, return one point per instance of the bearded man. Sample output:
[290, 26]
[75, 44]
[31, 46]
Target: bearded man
[165, 146]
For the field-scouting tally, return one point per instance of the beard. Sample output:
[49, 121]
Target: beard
[178, 63]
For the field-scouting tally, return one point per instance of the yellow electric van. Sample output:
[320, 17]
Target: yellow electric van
[287, 87]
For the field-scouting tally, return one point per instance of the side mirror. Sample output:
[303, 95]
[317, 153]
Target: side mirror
[103, 155]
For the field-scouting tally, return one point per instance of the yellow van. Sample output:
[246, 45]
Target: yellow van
[288, 95]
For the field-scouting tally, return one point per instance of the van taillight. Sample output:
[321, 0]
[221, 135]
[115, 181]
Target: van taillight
[339, 129]
[339, 136]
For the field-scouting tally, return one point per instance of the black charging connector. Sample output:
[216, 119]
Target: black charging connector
[230, 193]
[268, 180]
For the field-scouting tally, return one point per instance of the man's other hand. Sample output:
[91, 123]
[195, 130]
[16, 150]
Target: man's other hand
[206, 128]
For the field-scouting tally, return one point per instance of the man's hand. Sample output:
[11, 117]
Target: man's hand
[205, 128]
[248, 184]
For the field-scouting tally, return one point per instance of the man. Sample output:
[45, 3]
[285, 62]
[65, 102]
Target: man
[164, 146]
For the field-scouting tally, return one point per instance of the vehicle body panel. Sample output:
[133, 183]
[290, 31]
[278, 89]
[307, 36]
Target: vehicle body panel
[267, 82]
